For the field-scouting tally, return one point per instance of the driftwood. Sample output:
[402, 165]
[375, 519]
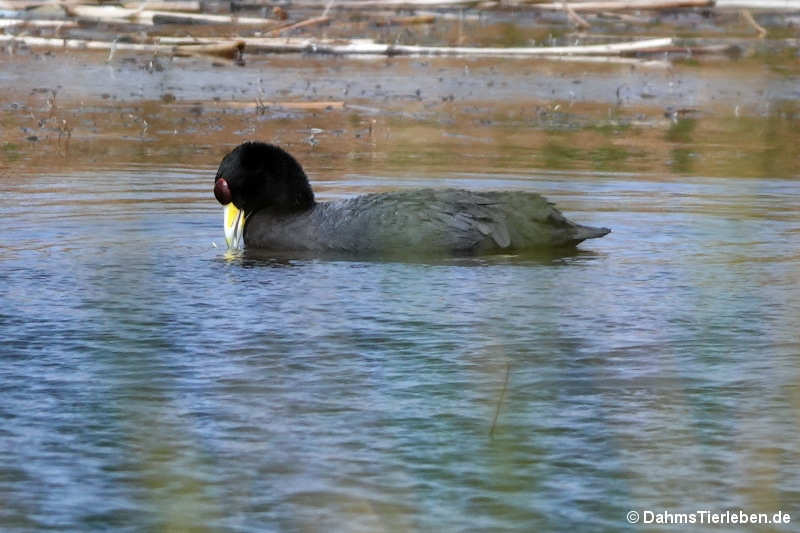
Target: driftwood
[615, 60]
[258, 106]
[752, 22]
[194, 6]
[186, 6]
[600, 5]
[144, 16]
[19, 5]
[369, 47]
[405, 21]
[730, 50]
[392, 4]
[189, 6]
[231, 50]
[39, 23]
[779, 5]
[500, 400]
[302, 24]
[226, 49]
[574, 17]
[620, 5]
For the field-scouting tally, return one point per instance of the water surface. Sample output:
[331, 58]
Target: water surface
[150, 380]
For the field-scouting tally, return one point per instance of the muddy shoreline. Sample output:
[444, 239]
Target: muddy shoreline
[78, 110]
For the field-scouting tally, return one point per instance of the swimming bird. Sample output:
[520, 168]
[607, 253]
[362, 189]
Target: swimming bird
[269, 204]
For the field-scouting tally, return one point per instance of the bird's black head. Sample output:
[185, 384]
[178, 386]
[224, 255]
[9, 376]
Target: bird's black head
[257, 176]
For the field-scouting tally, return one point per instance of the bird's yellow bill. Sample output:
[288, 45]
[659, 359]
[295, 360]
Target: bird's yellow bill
[234, 226]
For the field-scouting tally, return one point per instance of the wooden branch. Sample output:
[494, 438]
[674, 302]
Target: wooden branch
[20, 5]
[745, 14]
[255, 106]
[328, 7]
[618, 5]
[781, 5]
[10, 23]
[393, 4]
[500, 400]
[624, 17]
[226, 49]
[186, 6]
[405, 21]
[144, 16]
[616, 60]
[597, 5]
[303, 24]
[709, 49]
[574, 17]
[369, 47]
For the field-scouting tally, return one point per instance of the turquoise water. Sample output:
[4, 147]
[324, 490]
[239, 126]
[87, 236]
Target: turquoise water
[150, 380]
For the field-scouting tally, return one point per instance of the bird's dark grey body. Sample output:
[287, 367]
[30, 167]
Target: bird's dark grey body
[269, 186]
[419, 221]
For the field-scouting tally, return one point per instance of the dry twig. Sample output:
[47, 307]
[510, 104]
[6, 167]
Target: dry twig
[618, 5]
[500, 400]
[752, 22]
[303, 24]
[229, 49]
[369, 47]
[574, 17]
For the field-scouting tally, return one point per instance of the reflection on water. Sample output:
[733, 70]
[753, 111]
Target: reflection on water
[150, 381]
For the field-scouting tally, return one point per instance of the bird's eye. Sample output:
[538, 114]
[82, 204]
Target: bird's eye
[222, 192]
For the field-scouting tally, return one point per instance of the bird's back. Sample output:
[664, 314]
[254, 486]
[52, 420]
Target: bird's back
[421, 221]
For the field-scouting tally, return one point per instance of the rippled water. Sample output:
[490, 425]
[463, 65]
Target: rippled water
[149, 380]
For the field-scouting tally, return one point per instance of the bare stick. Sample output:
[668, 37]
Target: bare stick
[405, 21]
[226, 49]
[315, 105]
[229, 48]
[500, 401]
[191, 6]
[303, 24]
[752, 22]
[144, 16]
[779, 5]
[400, 4]
[369, 47]
[8, 23]
[328, 8]
[618, 5]
[579, 6]
[19, 5]
[574, 17]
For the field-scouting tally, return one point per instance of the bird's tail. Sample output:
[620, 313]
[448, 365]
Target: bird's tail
[581, 233]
